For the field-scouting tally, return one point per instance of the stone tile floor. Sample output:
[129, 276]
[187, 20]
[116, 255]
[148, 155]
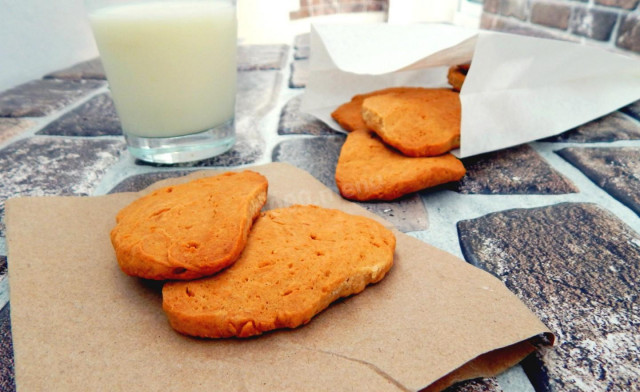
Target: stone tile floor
[557, 220]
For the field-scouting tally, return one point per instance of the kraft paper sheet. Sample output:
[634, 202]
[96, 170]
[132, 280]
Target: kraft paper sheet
[79, 323]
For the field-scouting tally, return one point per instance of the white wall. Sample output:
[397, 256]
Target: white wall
[264, 21]
[41, 36]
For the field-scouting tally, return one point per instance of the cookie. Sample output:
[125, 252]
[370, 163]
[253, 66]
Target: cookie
[297, 261]
[369, 170]
[456, 75]
[419, 122]
[349, 115]
[190, 230]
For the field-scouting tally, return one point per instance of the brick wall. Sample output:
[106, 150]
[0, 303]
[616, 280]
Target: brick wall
[326, 7]
[611, 23]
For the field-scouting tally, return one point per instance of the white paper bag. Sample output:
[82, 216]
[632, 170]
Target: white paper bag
[518, 89]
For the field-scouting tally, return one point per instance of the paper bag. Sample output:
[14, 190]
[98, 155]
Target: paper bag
[519, 88]
[79, 323]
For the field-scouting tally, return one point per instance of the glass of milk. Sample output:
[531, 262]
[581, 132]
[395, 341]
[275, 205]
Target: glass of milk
[171, 67]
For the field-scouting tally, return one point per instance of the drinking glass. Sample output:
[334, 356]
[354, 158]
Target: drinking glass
[171, 68]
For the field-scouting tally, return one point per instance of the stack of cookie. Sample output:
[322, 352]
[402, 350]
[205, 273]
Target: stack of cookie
[399, 141]
[235, 271]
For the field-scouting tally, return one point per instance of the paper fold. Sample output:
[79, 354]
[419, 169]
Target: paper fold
[79, 323]
[519, 88]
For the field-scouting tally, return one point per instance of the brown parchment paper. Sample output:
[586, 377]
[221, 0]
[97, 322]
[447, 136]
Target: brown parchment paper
[79, 323]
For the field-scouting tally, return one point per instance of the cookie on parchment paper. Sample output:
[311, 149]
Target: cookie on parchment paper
[189, 230]
[296, 262]
[419, 122]
[369, 170]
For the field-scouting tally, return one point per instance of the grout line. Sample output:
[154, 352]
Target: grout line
[590, 191]
[270, 134]
[4, 290]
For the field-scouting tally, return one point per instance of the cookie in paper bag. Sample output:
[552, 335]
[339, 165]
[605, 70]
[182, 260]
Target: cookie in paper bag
[369, 170]
[457, 74]
[419, 122]
[190, 230]
[296, 262]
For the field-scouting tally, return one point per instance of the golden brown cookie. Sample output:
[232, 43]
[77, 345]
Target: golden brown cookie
[297, 261]
[457, 75]
[349, 115]
[419, 122]
[369, 170]
[190, 230]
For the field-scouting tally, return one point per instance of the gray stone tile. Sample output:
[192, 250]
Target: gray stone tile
[42, 97]
[515, 8]
[319, 157]
[7, 380]
[627, 37]
[10, 127]
[3, 265]
[508, 25]
[96, 117]
[406, 214]
[517, 170]
[552, 15]
[623, 4]
[140, 181]
[262, 57]
[610, 128]
[593, 23]
[477, 385]
[91, 69]
[40, 166]
[299, 73]
[576, 266]
[293, 121]
[257, 95]
[302, 46]
[614, 169]
[633, 110]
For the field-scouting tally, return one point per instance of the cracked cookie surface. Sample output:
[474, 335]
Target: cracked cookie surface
[296, 262]
[190, 230]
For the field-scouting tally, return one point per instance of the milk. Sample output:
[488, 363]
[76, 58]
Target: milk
[171, 65]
